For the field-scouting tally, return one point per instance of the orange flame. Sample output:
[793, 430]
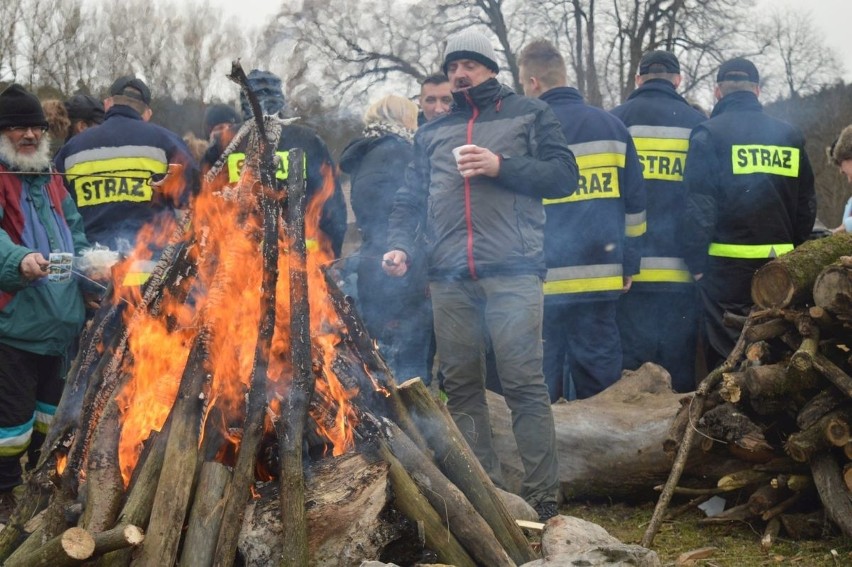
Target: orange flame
[223, 241]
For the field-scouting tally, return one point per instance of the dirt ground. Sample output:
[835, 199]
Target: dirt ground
[737, 544]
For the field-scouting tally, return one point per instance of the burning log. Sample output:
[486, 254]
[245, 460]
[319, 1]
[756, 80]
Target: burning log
[169, 421]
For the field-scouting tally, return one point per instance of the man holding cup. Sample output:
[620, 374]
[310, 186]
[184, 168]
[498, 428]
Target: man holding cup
[475, 188]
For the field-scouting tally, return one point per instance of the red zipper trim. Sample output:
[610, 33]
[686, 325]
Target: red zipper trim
[467, 209]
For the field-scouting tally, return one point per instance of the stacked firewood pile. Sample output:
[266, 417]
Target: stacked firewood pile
[217, 380]
[779, 409]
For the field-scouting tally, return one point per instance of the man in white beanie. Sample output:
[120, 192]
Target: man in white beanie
[475, 187]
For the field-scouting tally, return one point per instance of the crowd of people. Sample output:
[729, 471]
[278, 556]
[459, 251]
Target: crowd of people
[530, 240]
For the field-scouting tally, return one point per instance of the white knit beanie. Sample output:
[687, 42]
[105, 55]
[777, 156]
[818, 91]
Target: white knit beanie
[471, 45]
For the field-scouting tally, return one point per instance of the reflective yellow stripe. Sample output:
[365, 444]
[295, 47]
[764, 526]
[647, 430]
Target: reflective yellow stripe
[663, 269]
[756, 158]
[636, 229]
[586, 278]
[752, 251]
[610, 283]
[135, 278]
[237, 159]
[635, 224]
[591, 161]
[652, 275]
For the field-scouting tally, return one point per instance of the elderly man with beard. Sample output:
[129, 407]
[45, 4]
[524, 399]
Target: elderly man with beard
[483, 217]
[40, 312]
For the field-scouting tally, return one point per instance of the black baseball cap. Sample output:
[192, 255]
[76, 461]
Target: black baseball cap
[132, 87]
[85, 107]
[738, 69]
[659, 62]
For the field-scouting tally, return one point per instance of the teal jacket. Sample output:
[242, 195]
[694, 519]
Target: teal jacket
[37, 215]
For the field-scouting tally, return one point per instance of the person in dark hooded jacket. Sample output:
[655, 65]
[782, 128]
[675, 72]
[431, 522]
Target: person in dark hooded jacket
[396, 311]
[749, 198]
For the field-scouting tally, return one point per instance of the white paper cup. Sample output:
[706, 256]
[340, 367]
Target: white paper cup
[457, 150]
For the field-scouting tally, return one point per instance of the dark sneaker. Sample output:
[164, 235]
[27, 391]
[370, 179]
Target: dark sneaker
[546, 510]
[8, 502]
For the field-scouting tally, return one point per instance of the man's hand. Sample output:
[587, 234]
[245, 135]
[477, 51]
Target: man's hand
[478, 161]
[33, 266]
[628, 281]
[697, 277]
[395, 263]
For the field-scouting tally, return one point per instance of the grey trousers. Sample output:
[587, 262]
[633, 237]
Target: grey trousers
[510, 309]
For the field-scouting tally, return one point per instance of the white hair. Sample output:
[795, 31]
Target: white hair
[39, 161]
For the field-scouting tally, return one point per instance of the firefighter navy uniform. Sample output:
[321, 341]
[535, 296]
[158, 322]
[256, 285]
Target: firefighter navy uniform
[658, 318]
[592, 242]
[750, 198]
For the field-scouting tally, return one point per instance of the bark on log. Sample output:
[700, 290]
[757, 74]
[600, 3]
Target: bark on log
[764, 498]
[847, 476]
[205, 518]
[790, 278]
[767, 330]
[472, 531]
[410, 501]
[243, 476]
[350, 519]
[833, 374]
[770, 534]
[120, 537]
[745, 439]
[802, 445]
[104, 485]
[458, 463]
[824, 402]
[832, 491]
[180, 462]
[141, 493]
[833, 290]
[294, 407]
[71, 547]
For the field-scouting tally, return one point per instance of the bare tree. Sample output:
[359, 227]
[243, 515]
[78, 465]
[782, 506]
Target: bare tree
[10, 14]
[797, 49]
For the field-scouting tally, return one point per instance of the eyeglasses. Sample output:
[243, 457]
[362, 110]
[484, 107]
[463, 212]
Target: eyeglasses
[23, 129]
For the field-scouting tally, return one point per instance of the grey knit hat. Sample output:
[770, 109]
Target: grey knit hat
[470, 45]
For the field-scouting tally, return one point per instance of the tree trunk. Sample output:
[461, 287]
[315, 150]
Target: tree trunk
[790, 278]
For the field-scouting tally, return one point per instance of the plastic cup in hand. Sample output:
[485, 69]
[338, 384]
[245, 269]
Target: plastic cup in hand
[457, 151]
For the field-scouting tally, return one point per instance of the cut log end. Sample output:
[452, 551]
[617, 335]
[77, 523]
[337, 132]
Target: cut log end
[772, 286]
[78, 543]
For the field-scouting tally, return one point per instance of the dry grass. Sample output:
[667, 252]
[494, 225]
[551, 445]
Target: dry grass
[737, 545]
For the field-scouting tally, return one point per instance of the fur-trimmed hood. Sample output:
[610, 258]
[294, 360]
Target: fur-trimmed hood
[841, 149]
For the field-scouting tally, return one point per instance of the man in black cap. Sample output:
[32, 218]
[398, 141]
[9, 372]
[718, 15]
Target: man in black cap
[41, 307]
[658, 318]
[475, 188]
[218, 117]
[84, 111]
[108, 170]
[750, 198]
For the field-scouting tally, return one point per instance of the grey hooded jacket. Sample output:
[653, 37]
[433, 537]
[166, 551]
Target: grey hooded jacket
[482, 226]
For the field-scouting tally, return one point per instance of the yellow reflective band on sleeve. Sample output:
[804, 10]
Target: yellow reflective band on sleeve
[583, 279]
[584, 285]
[679, 145]
[748, 251]
[127, 180]
[755, 158]
[635, 224]
[660, 276]
[663, 270]
[236, 161]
